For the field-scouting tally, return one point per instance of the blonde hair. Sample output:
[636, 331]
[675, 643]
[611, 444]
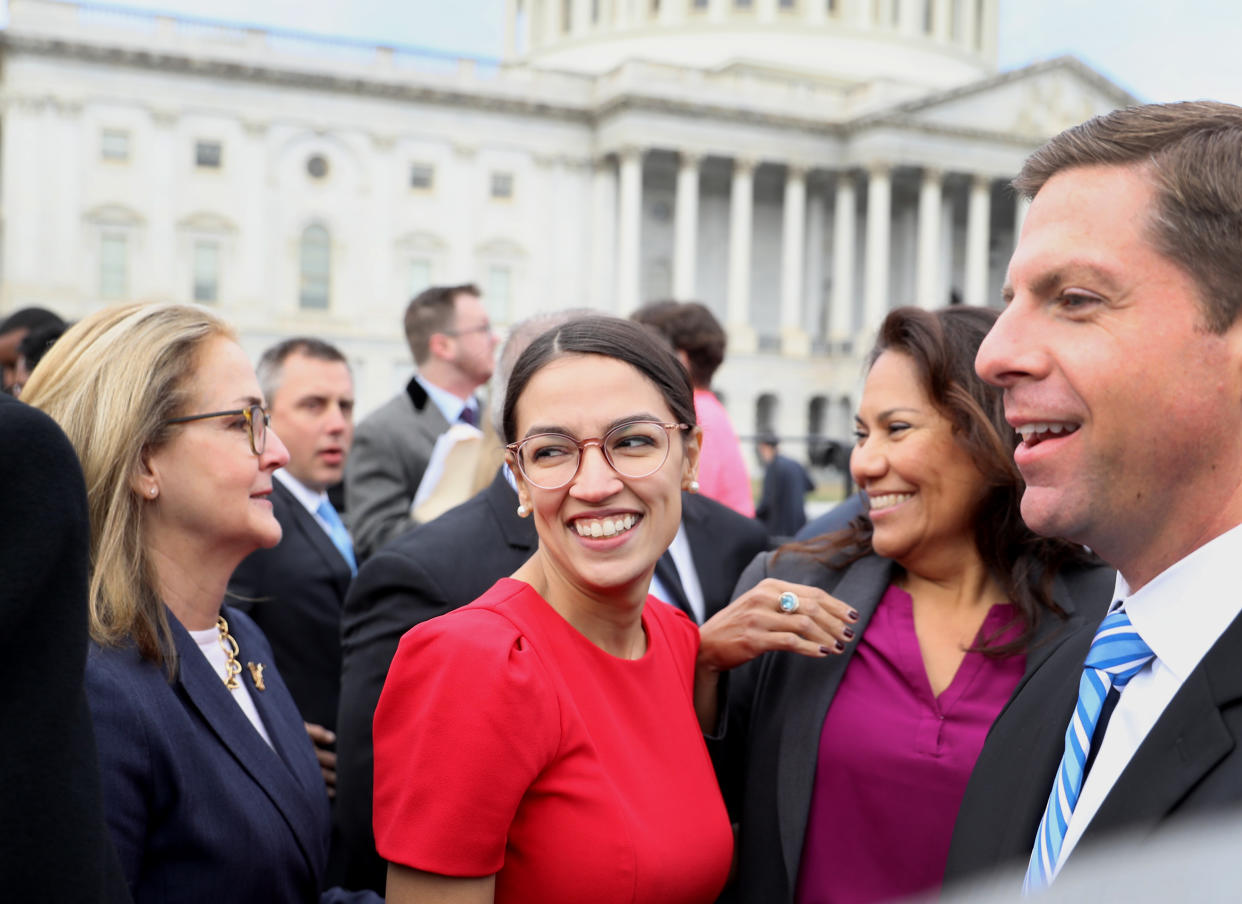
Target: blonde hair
[111, 382]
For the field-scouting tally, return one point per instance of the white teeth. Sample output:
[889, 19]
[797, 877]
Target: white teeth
[889, 499]
[607, 527]
[1026, 431]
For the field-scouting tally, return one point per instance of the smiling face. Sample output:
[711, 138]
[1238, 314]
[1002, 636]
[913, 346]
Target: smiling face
[923, 487]
[212, 490]
[601, 534]
[313, 411]
[1130, 411]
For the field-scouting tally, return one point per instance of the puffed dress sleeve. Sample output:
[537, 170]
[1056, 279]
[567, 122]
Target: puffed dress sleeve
[467, 720]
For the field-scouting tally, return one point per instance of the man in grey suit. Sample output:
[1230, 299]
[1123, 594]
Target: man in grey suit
[453, 345]
[1120, 353]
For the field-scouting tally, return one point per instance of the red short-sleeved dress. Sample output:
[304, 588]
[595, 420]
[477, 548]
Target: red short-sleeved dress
[508, 743]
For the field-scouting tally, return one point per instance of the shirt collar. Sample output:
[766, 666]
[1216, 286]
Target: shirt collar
[309, 498]
[450, 405]
[1184, 610]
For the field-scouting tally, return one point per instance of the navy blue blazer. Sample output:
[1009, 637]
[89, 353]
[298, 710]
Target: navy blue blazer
[200, 808]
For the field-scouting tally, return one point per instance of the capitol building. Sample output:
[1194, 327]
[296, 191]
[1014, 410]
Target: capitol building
[800, 166]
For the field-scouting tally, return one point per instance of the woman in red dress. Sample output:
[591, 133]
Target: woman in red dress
[541, 743]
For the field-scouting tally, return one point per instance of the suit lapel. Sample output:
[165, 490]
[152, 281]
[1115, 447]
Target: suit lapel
[702, 551]
[301, 526]
[862, 586]
[501, 498]
[1187, 741]
[666, 571]
[272, 774]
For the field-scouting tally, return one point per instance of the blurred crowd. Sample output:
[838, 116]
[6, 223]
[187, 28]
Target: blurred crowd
[524, 634]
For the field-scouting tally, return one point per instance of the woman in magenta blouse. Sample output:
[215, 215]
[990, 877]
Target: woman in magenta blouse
[845, 775]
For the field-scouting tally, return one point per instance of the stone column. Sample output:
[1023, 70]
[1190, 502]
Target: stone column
[844, 227]
[942, 13]
[525, 42]
[510, 28]
[629, 219]
[741, 205]
[602, 279]
[686, 227]
[794, 339]
[879, 225]
[816, 318]
[910, 17]
[718, 10]
[966, 10]
[978, 224]
[580, 24]
[927, 280]
[987, 31]
[765, 10]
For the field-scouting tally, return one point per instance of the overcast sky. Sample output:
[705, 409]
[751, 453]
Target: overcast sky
[1156, 49]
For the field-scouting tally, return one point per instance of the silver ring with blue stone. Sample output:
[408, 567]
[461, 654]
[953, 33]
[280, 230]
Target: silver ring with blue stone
[788, 602]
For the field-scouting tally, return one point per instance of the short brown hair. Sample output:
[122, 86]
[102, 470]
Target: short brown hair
[1192, 152]
[431, 311]
[693, 329]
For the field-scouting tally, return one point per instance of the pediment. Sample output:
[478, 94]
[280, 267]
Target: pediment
[1035, 102]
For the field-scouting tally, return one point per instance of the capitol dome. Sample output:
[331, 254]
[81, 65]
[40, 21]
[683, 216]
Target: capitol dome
[934, 44]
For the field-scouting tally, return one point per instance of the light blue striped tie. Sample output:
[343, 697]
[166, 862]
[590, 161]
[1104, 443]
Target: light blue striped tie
[338, 533]
[1117, 654]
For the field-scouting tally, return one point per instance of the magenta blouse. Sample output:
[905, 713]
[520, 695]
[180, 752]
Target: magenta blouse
[894, 760]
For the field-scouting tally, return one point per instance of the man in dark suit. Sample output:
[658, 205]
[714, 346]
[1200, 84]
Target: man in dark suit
[295, 590]
[56, 847]
[453, 345]
[782, 504]
[1120, 353]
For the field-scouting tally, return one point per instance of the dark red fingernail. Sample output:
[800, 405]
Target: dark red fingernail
[853, 615]
[848, 632]
[825, 650]
[840, 647]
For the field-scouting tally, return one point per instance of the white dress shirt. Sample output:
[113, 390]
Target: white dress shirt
[309, 499]
[1180, 614]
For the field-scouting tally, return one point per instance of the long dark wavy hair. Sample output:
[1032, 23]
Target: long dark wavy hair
[942, 345]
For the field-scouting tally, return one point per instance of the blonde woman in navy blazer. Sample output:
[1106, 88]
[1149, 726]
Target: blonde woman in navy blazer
[211, 787]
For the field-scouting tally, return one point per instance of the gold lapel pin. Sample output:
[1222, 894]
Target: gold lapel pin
[256, 673]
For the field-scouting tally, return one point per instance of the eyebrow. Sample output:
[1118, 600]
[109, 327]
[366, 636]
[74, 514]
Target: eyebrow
[536, 429]
[887, 413]
[1067, 272]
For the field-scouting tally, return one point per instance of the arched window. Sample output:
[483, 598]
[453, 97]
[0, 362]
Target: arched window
[315, 268]
[766, 407]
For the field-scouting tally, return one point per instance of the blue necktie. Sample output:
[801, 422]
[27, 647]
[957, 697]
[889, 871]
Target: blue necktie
[338, 534]
[1117, 654]
[469, 416]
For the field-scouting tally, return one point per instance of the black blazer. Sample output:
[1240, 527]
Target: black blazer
[767, 742]
[294, 592]
[447, 563]
[1190, 762]
[55, 845]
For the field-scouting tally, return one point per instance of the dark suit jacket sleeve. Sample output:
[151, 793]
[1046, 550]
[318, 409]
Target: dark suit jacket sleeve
[391, 594]
[55, 844]
[727, 745]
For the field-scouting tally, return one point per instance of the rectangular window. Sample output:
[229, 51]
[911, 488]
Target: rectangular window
[422, 176]
[113, 266]
[498, 292]
[502, 185]
[114, 145]
[208, 154]
[420, 275]
[831, 7]
[700, 4]
[206, 271]
[743, 4]
[567, 15]
[788, 5]
[594, 12]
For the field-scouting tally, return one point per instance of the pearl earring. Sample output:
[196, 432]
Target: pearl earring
[522, 511]
[154, 492]
[694, 486]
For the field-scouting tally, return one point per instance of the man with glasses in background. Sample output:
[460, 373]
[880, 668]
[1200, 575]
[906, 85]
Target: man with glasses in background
[453, 345]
